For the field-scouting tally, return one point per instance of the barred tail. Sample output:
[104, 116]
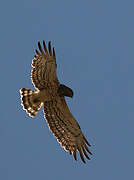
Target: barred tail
[30, 101]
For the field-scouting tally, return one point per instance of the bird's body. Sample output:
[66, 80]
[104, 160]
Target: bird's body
[51, 94]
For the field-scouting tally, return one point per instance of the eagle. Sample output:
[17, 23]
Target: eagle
[50, 94]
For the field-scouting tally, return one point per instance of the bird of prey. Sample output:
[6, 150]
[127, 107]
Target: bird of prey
[50, 94]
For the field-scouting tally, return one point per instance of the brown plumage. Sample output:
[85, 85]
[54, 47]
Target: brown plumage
[51, 94]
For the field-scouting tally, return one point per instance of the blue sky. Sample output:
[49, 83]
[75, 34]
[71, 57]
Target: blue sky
[94, 43]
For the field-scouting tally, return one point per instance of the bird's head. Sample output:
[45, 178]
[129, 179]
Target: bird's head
[65, 91]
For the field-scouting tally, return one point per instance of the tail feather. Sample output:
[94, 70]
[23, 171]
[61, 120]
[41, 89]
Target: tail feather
[30, 101]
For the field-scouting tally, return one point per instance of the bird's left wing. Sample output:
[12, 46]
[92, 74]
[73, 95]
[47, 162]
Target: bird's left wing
[44, 67]
[65, 128]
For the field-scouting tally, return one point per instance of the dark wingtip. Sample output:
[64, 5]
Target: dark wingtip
[81, 155]
[39, 45]
[54, 53]
[70, 152]
[49, 48]
[74, 155]
[87, 149]
[37, 52]
[85, 153]
[45, 48]
[40, 48]
[86, 141]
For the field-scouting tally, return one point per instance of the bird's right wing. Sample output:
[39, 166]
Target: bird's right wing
[65, 128]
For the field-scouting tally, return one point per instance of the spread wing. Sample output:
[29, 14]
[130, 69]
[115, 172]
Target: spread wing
[65, 128]
[44, 67]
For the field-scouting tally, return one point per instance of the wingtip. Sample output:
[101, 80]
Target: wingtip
[81, 155]
[74, 155]
[37, 52]
[49, 48]
[45, 48]
[54, 52]
[86, 141]
[85, 153]
[87, 149]
[39, 46]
